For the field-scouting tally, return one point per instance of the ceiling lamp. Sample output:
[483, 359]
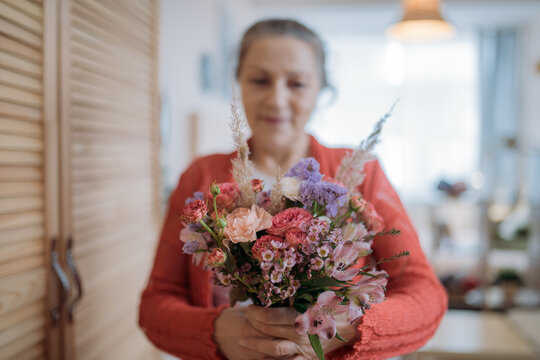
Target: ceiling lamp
[422, 22]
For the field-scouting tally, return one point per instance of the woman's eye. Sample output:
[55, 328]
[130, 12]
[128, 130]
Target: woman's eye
[260, 81]
[297, 84]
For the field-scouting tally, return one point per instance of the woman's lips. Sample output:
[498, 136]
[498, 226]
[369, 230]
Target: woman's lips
[275, 120]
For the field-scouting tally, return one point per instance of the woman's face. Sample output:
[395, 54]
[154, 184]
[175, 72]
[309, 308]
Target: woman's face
[280, 81]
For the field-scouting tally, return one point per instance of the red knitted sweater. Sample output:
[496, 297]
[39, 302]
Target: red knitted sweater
[176, 310]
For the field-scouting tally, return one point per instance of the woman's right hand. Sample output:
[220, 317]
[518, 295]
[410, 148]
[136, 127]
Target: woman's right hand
[231, 326]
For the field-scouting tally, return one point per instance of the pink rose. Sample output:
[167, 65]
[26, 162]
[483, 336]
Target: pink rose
[295, 236]
[358, 203]
[263, 244]
[257, 185]
[288, 219]
[216, 258]
[195, 211]
[243, 224]
[374, 222]
[227, 196]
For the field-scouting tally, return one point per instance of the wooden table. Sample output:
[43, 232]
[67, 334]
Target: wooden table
[475, 336]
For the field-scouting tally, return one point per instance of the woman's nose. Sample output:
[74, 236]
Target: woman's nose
[278, 96]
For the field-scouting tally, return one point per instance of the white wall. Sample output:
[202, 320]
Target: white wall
[531, 82]
[188, 30]
[530, 95]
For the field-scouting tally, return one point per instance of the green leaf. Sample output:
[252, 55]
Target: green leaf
[246, 247]
[340, 338]
[306, 297]
[300, 306]
[322, 283]
[316, 345]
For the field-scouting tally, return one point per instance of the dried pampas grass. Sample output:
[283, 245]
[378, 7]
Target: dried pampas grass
[351, 170]
[242, 167]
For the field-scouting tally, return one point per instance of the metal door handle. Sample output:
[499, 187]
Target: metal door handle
[64, 282]
[76, 277]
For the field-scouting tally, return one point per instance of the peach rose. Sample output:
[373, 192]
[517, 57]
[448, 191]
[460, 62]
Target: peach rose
[243, 224]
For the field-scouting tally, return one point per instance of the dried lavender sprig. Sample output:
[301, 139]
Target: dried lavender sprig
[242, 167]
[373, 138]
[351, 170]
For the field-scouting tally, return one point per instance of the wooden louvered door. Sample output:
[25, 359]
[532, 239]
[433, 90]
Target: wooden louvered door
[28, 179]
[110, 171]
[79, 176]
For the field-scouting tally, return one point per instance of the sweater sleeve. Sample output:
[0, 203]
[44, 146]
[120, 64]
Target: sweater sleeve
[415, 299]
[166, 316]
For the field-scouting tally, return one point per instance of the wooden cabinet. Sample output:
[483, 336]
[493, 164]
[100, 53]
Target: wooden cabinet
[79, 176]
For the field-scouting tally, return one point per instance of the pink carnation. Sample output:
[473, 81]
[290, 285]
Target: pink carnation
[243, 224]
[263, 244]
[288, 219]
[195, 211]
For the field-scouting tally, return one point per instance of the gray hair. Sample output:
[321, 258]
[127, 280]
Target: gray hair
[283, 27]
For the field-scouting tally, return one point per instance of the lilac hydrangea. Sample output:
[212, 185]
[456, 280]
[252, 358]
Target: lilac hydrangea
[190, 247]
[330, 195]
[306, 169]
[196, 196]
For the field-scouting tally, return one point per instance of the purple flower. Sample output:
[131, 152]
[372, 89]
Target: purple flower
[335, 236]
[319, 319]
[190, 247]
[306, 169]
[196, 196]
[194, 226]
[368, 290]
[330, 195]
[189, 237]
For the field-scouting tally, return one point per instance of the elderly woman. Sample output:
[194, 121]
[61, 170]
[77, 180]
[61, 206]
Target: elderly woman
[281, 70]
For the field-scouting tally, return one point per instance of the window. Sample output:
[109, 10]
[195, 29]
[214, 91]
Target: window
[434, 131]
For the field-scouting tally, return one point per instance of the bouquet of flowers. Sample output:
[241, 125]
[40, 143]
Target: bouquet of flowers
[297, 244]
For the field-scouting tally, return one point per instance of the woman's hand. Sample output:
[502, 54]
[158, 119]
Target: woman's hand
[231, 326]
[282, 340]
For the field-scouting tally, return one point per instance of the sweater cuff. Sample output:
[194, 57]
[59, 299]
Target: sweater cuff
[213, 348]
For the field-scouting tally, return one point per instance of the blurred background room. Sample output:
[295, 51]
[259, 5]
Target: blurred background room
[104, 103]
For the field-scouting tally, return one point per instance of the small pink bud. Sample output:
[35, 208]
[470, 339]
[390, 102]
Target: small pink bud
[216, 258]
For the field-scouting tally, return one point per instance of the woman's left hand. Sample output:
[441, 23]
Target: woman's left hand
[277, 323]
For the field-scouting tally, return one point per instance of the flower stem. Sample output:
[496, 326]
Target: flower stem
[244, 283]
[209, 230]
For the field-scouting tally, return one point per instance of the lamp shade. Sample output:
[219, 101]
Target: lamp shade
[422, 20]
